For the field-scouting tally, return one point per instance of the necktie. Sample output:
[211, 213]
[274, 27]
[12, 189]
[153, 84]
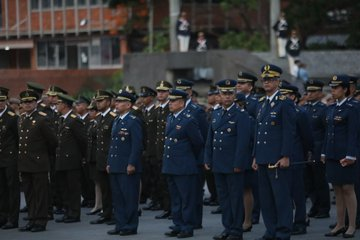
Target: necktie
[224, 111]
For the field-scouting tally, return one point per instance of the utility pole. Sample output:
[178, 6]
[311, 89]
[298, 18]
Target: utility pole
[274, 15]
[151, 25]
[174, 11]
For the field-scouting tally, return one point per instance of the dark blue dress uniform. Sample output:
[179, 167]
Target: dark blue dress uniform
[228, 147]
[341, 138]
[183, 144]
[251, 101]
[303, 144]
[125, 149]
[274, 134]
[9, 183]
[315, 180]
[199, 114]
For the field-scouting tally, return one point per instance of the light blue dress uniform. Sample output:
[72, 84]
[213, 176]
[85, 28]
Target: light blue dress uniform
[274, 135]
[228, 147]
[183, 144]
[125, 148]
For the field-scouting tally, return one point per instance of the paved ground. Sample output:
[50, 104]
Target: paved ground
[149, 229]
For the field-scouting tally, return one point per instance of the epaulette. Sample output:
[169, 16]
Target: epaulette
[73, 116]
[42, 114]
[98, 113]
[282, 97]
[262, 99]
[42, 105]
[135, 107]
[112, 114]
[11, 113]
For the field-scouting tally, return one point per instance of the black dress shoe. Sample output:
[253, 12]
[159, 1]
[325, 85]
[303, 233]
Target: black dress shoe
[113, 232]
[9, 225]
[332, 226]
[111, 222]
[71, 220]
[149, 206]
[94, 212]
[216, 211]
[172, 233]
[59, 211]
[322, 215]
[156, 207]
[348, 235]
[26, 228]
[298, 230]
[233, 237]
[221, 236]
[312, 214]
[334, 234]
[24, 209]
[127, 232]
[100, 220]
[60, 219]
[185, 234]
[213, 203]
[38, 228]
[163, 215]
[248, 229]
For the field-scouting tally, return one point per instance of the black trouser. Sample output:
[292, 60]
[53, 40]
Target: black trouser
[317, 188]
[161, 191]
[9, 194]
[210, 182]
[36, 192]
[147, 186]
[104, 183]
[87, 185]
[71, 191]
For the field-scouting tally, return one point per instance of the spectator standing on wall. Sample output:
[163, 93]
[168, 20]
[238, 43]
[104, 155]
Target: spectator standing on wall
[281, 30]
[183, 32]
[293, 48]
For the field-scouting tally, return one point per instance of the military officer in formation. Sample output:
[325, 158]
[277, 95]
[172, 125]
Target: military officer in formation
[228, 151]
[36, 140]
[182, 148]
[273, 145]
[316, 184]
[303, 145]
[9, 181]
[70, 151]
[124, 165]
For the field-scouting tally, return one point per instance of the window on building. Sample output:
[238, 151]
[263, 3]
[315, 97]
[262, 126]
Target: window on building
[69, 3]
[81, 2]
[51, 54]
[35, 4]
[105, 51]
[58, 3]
[45, 4]
[15, 59]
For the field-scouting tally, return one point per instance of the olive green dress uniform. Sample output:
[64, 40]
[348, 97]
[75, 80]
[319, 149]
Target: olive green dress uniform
[162, 112]
[69, 154]
[103, 137]
[36, 140]
[9, 181]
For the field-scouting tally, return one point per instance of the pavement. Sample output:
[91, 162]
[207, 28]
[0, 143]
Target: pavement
[151, 229]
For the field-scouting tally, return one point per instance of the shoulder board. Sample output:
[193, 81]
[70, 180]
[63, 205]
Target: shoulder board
[98, 113]
[42, 113]
[253, 98]
[73, 116]
[112, 114]
[42, 105]
[135, 107]
[262, 99]
[282, 97]
[11, 113]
